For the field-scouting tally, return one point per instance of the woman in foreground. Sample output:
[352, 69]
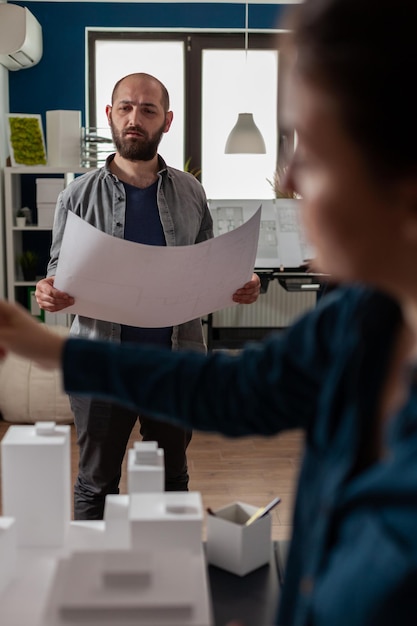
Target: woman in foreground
[347, 371]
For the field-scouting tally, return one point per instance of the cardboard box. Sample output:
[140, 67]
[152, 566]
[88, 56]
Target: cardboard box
[234, 547]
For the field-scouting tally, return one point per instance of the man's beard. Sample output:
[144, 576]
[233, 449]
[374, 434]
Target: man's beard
[142, 148]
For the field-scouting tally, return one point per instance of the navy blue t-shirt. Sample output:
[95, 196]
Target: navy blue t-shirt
[143, 225]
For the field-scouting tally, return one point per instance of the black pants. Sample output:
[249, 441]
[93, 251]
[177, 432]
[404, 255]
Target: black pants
[103, 431]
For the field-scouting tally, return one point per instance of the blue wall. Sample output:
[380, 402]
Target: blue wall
[58, 80]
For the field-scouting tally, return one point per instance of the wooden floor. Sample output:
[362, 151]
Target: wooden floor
[252, 470]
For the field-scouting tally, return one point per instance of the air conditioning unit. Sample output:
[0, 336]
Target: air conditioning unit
[20, 37]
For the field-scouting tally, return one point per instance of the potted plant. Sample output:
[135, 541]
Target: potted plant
[20, 218]
[28, 261]
[278, 185]
[195, 171]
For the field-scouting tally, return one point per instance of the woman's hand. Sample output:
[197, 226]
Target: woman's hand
[22, 334]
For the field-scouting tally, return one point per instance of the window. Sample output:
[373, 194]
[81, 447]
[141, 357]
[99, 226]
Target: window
[165, 60]
[210, 79]
[246, 83]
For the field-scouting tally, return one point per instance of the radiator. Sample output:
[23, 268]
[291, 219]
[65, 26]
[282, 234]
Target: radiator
[274, 309]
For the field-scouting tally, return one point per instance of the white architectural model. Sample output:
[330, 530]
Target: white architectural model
[36, 482]
[129, 588]
[158, 521]
[143, 565]
[172, 519]
[7, 551]
[145, 468]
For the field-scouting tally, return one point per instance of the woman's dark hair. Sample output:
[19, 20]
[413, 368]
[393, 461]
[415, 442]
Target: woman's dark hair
[365, 53]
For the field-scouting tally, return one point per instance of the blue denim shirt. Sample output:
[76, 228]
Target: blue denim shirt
[99, 198]
[353, 557]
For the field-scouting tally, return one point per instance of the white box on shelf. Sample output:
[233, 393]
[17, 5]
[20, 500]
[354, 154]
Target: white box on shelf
[46, 213]
[234, 547]
[63, 138]
[36, 482]
[47, 192]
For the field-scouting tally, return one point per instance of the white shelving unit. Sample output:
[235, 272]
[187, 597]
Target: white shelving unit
[18, 289]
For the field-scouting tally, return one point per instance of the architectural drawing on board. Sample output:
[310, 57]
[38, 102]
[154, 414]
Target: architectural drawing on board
[290, 226]
[227, 218]
[268, 239]
[282, 242]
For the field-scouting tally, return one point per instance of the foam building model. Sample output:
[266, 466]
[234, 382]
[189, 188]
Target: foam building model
[158, 520]
[142, 565]
[150, 587]
[145, 468]
[36, 482]
[7, 551]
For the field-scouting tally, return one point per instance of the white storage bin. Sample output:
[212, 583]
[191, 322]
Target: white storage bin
[234, 547]
[46, 212]
[47, 192]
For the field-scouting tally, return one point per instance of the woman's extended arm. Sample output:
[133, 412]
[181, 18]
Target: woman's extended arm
[22, 334]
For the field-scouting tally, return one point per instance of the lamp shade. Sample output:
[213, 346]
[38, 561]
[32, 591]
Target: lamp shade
[245, 137]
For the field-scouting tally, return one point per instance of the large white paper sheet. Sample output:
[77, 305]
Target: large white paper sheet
[152, 286]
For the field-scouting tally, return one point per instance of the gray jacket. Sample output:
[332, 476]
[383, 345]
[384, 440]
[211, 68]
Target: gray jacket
[99, 198]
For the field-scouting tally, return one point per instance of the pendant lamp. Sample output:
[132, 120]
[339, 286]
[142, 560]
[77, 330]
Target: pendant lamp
[245, 137]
